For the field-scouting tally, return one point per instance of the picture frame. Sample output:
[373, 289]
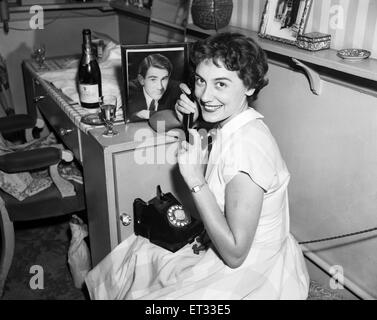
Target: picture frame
[151, 76]
[284, 20]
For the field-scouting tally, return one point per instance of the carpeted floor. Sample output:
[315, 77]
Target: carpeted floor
[46, 244]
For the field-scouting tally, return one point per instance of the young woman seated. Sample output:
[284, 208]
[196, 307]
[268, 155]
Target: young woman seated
[240, 193]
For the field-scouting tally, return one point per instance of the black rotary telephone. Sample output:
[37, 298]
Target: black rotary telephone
[165, 222]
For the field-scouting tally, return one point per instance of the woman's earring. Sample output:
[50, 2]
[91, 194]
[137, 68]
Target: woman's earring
[250, 92]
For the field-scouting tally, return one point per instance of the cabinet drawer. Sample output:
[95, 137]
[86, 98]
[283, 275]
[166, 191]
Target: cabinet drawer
[63, 126]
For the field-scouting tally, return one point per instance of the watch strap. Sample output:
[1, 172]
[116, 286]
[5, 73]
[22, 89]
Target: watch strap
[197, 187]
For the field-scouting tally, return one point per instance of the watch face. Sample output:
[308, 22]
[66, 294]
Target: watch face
[177, 217]
[195, 189]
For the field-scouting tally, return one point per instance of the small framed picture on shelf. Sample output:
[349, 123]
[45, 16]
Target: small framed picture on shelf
[152, 74]
[146, 4]
[284, 20]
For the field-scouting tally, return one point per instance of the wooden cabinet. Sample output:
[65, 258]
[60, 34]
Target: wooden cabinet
[40, 103]
[119, 170]
[64, 128]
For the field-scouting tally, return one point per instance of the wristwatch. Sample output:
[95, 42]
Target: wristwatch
[197, 188]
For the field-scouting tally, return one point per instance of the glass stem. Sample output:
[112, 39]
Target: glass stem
[109, 126]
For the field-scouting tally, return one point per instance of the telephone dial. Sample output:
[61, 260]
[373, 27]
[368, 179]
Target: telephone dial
[165, 222]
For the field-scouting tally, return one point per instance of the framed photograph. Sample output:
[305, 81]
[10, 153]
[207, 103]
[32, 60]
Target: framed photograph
[147, 4]
[152, 74]
[284, 20]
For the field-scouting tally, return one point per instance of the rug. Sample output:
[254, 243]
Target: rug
[46, 244]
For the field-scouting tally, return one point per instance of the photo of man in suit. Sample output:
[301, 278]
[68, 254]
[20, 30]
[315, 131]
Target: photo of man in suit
[152, 90]
[288, 12]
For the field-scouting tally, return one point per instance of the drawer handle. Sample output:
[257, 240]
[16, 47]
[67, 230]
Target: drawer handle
[37, 99]
[125, 219]
[64, 132]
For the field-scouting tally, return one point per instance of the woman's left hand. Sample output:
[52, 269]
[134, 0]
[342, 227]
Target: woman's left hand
[191, 160]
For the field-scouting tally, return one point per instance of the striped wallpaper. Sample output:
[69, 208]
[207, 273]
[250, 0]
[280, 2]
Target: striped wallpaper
[351, 23]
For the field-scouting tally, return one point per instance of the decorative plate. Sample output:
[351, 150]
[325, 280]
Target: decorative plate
[353, 54]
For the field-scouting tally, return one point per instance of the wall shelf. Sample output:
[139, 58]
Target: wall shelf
[366, 69]
[101, 5]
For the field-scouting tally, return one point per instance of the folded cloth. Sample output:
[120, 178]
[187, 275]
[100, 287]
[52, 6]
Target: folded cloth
[26, 184]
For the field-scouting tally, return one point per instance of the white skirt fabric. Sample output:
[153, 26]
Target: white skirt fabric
[138, 269]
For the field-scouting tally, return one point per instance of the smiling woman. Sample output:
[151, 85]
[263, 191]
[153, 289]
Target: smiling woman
[240, 195]
[221, 92]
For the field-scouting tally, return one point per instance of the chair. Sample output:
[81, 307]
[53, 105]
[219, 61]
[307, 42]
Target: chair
[61, 198]
[21, 123]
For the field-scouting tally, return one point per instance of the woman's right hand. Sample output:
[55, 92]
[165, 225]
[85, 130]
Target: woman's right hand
[185, 105]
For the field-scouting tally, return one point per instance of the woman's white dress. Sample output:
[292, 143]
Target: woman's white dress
[275, 266]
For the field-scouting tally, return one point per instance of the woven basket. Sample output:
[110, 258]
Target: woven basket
[211, 14]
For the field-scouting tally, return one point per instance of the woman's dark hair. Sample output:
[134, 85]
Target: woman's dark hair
[155, 60]
[237, 53]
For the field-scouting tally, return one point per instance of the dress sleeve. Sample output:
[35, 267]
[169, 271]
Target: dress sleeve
[256, 160]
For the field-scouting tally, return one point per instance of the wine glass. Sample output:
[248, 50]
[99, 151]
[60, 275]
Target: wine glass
[39, 54]
[108, 106]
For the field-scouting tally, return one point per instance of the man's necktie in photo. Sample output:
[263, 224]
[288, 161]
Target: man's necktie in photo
[153, 106]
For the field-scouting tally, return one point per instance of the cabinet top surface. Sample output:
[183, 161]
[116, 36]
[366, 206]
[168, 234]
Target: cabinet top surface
[131, 135]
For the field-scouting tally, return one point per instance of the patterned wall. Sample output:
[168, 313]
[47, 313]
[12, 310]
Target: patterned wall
[351, 23]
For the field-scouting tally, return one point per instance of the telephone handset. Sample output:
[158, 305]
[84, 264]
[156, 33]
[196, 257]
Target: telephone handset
[188, 119]
[165, 222]
[187, 124]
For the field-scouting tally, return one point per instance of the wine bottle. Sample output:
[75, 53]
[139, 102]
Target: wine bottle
[89, 75]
